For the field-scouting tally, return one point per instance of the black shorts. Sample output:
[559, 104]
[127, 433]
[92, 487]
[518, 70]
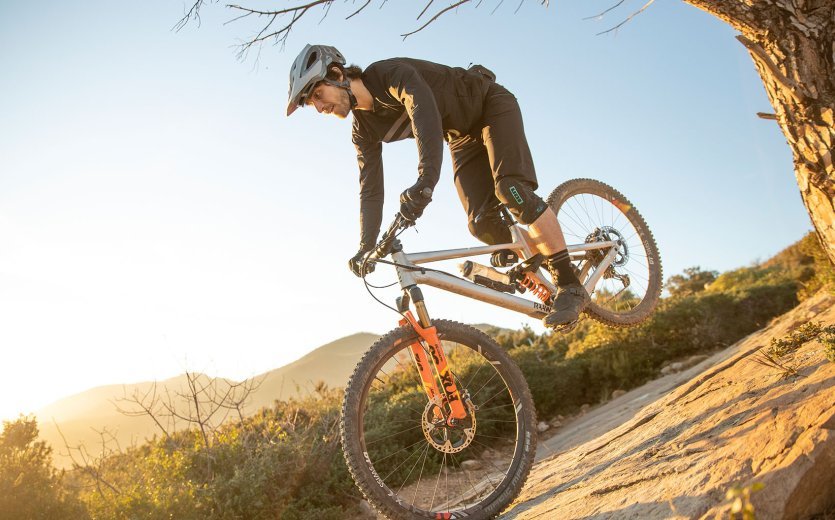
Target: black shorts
[495, 152]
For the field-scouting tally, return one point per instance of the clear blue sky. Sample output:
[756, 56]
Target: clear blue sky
[159, 213]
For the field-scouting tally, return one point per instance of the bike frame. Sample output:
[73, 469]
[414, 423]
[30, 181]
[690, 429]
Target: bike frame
[409, 277]
[427, 350]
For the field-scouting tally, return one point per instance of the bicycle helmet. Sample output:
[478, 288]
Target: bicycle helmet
[310, 68]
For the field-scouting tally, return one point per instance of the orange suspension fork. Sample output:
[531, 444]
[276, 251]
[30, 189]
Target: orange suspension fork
[450, 393]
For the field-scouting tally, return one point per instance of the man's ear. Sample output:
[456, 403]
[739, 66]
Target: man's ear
[337, 72]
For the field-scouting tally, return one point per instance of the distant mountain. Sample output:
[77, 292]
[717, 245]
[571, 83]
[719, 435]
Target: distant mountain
[82, 416]
[332, 364]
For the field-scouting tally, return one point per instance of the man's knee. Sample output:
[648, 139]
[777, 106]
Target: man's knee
[520, 199]
[490, 228]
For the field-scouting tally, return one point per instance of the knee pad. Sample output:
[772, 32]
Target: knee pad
[490, 228]
[525, 205]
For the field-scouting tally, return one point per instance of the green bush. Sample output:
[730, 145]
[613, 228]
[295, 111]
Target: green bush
[30, 487]
[283, 462]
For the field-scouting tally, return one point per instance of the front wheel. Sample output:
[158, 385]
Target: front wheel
[591, 211]
[411, 466]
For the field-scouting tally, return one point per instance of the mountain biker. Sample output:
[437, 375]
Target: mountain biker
[480, 120]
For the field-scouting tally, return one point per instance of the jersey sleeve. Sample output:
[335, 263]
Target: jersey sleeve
[370, 161]
[408, 87]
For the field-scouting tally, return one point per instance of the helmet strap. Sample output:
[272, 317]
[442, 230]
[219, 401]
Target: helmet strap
[346, 84]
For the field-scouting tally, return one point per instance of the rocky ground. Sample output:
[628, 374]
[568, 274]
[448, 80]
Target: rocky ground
[676, 446]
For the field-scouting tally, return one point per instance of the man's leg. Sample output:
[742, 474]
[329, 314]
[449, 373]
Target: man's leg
[515, 181]
[546, 234]
[474, 183]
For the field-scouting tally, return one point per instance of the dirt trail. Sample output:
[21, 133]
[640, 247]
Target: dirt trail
[673, 447]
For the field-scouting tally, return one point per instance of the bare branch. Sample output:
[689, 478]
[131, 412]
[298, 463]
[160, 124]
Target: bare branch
[630, 17]
[426, 7]
[599, 16]
[437, 15]
[93, 468]
[148, 404]
[360, 9]
[192, 14]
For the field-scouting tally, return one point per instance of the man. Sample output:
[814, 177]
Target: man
[402, 97]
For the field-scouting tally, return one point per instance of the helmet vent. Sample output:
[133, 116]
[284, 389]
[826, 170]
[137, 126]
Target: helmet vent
[313, 57]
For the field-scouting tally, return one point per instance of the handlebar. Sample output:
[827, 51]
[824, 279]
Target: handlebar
[383, 247]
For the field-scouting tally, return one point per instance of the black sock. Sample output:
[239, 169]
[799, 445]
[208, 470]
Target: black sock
[561, 263]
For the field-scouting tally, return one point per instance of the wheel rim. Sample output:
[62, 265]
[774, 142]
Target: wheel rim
[411, 466]
[587, 218]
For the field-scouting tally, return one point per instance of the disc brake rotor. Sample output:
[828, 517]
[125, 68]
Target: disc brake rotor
[607, 234]
[448, 438]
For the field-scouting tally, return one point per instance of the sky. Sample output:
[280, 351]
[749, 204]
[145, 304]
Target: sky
[159, 213]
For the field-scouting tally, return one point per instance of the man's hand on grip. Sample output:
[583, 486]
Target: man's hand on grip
[414, 200]
[355, 264]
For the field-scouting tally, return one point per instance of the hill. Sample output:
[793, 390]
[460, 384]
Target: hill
[331, 364]
[81, 417]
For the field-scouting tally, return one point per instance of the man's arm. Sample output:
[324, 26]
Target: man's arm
[370, 161]
[409, 88]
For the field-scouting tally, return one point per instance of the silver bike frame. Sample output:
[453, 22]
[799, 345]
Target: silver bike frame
[410, 274]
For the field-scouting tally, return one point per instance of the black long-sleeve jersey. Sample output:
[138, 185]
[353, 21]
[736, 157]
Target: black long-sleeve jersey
[412, 98]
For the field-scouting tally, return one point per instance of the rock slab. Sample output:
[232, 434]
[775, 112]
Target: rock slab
[731, 424]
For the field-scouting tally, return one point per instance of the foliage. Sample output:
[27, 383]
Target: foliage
[807, 332]
[692, 281]
[566, 371]
[30, 487]
[740, 497]
[807, 262]
[283, 462]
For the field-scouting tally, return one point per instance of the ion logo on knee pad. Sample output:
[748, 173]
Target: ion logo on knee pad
[516, 195]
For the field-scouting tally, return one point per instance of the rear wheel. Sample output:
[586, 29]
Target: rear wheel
[408, 464]
[591, 211]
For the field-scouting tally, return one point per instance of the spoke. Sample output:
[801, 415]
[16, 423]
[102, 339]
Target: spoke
[392, 435]
[466, 473]
[401, 449]
[425, 449]
[419, 480]
[385, 479]
[437, 481]
[494, 437]
[585, 207]
[575, 220]
[490, 462]
[485, 384]
[501, 391]
[480, 409]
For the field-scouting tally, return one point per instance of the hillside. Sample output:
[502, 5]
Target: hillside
[732, 423]
[332, 364]
[81, 416]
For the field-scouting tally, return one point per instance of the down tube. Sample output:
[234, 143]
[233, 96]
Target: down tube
[483, 294]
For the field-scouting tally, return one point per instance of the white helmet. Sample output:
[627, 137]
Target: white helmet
[310, 67]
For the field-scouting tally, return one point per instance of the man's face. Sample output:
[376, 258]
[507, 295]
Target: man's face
[330, 100]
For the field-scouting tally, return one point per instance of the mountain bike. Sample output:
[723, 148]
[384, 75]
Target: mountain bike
[437, 419]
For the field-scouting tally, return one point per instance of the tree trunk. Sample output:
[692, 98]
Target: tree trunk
[792, 43]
